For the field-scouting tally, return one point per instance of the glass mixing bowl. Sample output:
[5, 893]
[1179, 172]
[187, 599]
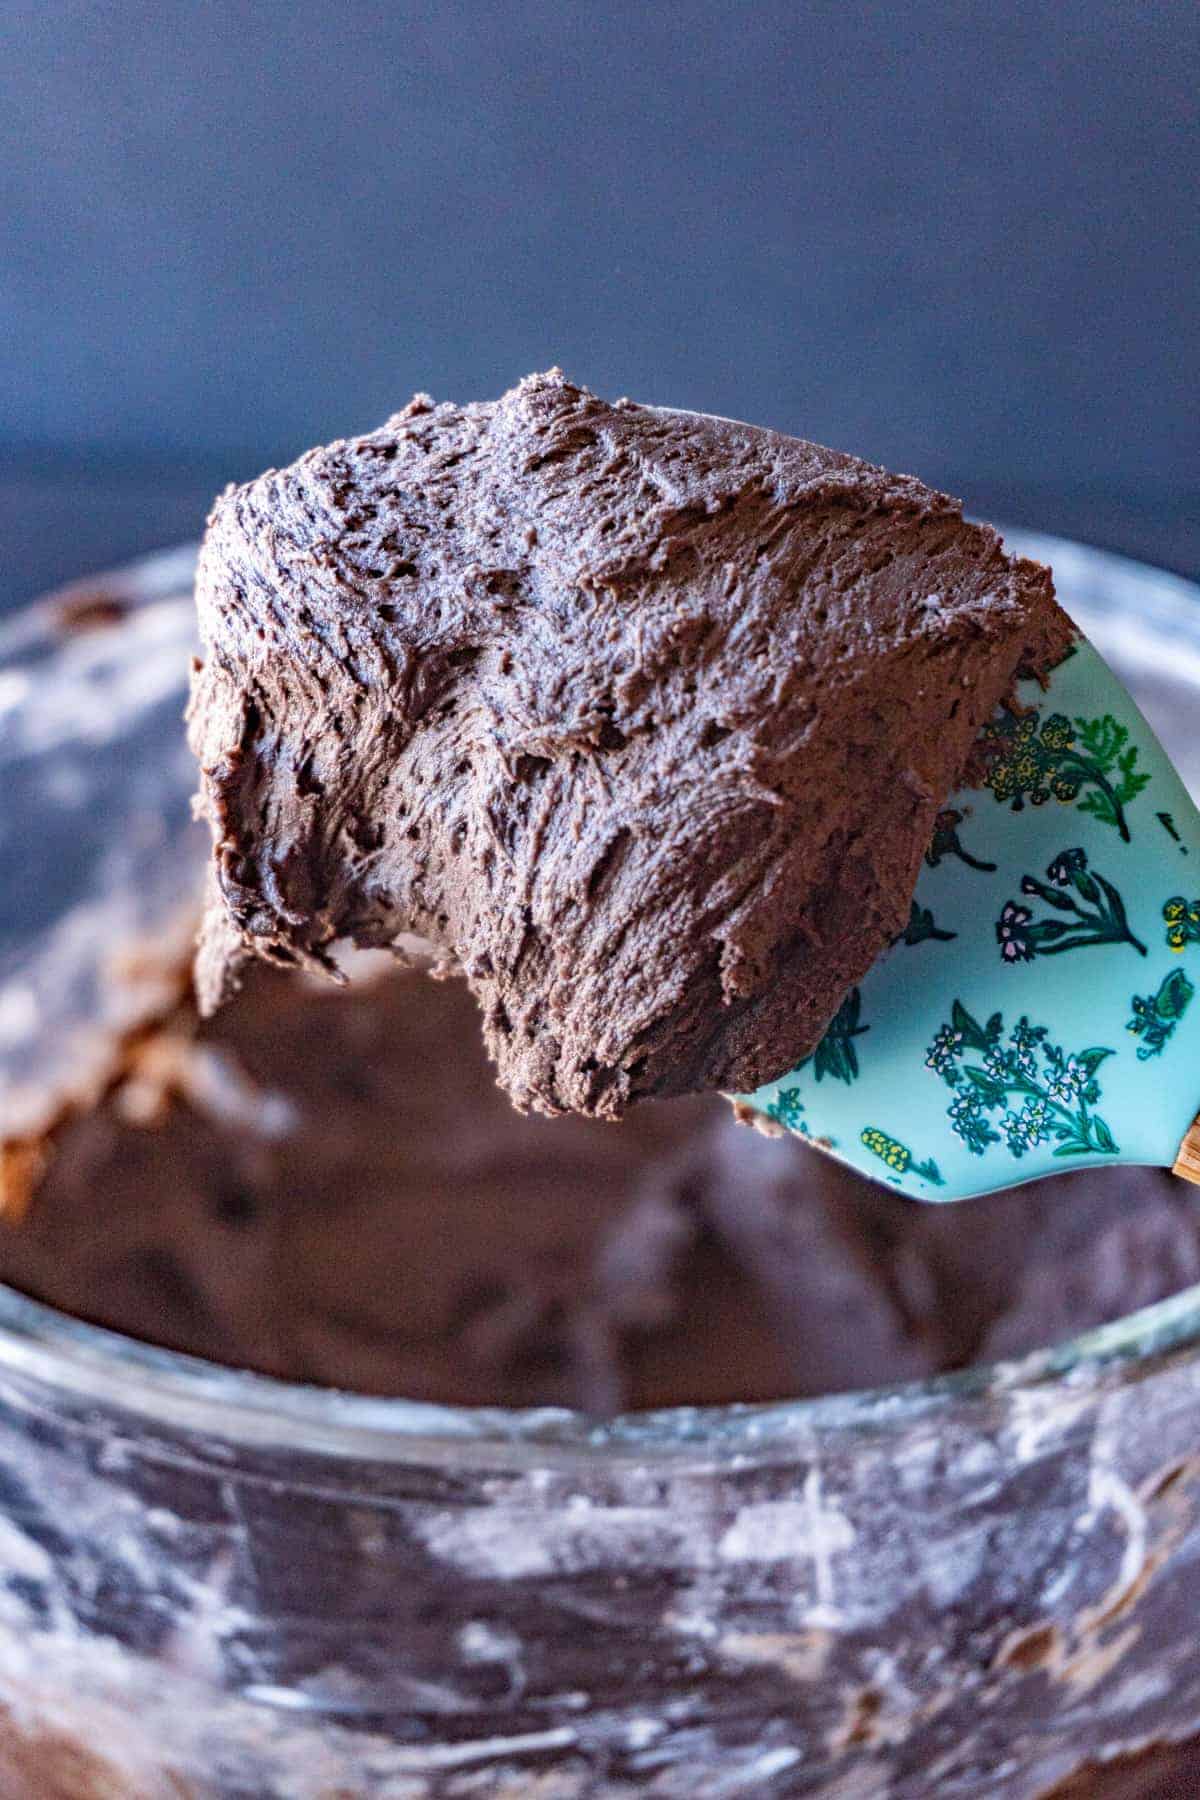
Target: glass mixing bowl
[212, 1584]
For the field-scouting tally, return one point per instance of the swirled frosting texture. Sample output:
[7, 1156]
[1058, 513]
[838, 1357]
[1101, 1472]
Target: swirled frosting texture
[641, 717]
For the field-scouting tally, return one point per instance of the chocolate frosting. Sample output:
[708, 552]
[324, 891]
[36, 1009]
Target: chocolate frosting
[642, 718]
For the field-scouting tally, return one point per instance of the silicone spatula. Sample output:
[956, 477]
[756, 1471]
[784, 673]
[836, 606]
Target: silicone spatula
[1040, 1010]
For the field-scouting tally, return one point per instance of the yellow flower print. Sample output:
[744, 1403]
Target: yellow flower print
[1183, 922]
[898, 1156]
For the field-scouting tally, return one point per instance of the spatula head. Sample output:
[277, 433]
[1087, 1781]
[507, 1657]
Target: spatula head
[1040, 1010]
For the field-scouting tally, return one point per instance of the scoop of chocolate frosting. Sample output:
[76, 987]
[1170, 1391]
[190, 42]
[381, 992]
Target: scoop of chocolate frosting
[641, 717]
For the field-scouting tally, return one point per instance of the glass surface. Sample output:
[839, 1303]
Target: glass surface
[216, 1584]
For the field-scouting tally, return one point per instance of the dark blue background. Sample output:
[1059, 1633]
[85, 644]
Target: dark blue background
[958, 238]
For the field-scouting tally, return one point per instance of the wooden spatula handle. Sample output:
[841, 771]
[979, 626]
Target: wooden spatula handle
[1187, 1163]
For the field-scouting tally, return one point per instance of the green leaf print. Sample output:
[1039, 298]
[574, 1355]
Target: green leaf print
[1155, 1016]
[922, 925]
[975, 1037]
[946, 842]
[836, 1055]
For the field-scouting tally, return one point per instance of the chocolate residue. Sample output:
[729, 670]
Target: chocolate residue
[641, 718]
[1159, 1771]
[84, 609]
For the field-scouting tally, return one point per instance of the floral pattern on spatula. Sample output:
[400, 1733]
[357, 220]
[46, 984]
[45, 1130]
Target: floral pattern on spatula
[898, 1156]
[835, 1056]
[1023, 1091]
[1088, 763]
[1091, 912]
[947, 842]
[922, 925]
[1155, 1016]
[1183, 922]
[787, 1109]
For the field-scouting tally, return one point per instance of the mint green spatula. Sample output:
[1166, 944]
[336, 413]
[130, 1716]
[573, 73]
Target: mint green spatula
[1040, 1011]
